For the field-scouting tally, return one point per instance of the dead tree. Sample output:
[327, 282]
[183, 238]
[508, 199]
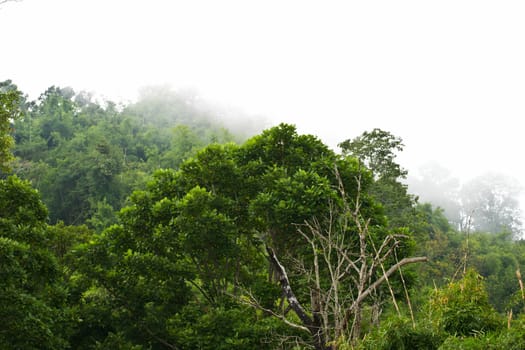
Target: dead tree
[347, 268]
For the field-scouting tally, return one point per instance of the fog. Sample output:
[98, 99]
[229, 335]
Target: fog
[447, 77]
[178, 106]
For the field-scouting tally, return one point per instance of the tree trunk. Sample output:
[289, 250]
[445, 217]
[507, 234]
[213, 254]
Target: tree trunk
[314, 326]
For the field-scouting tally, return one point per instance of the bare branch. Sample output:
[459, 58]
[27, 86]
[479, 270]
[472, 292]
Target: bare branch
[380, 280]
[385, 243]
[380, 257]
[253, 302]
[388, 273]
[346, 268]
[409, 303]
[287, 289]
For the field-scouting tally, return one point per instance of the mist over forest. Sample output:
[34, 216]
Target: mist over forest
[172, 223]
[277, 175]
[489, 202]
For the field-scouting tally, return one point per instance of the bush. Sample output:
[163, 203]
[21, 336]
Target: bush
[398, 333]
[462, 308]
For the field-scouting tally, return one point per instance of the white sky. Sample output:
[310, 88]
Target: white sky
[446, 76]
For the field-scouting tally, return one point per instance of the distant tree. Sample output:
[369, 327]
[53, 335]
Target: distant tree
[377, 150]
[491, 203]
[435, 184]
[86, 156]
[487, 203]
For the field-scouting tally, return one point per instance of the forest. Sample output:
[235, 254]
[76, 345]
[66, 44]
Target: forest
[158, 225]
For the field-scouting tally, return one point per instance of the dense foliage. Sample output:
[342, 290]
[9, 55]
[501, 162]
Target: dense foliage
[146, 227]
[87, 157]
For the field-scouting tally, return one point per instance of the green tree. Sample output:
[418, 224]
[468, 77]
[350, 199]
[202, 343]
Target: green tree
[32, 298]
[196, 236]
[377, 151]
[10, 99]
[463, 307]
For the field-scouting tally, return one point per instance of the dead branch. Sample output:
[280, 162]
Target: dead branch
[312, 324]
[253, 302]
[377, 283]
[287, 289]
[344, 271]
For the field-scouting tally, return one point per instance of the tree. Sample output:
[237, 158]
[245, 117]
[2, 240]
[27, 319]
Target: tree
[462, 307]
[32, 301]
[487, 203]
[355, 271]
[377, 150]
[491, 202]
[167, 267]
[226, 223]
[10, 99]
[32, 297]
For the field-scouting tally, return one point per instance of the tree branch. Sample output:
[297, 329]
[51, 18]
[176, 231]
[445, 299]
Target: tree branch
[387, 274]
[253, 302]
[380, 280]
[287, 289]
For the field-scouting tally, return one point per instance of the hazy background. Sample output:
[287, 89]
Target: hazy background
[448, 77]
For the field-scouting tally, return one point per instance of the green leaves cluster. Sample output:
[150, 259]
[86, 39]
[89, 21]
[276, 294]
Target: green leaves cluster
[9, 101]
[463, 307]
[33, 304]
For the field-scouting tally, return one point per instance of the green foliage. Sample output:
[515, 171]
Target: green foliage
[173, 266]
[28, 322]
[398, 333]
[193, 238]
[86, 157]
[10, 99]
[103, 216]
[495, 256]
[117, 341]
[463, 308]
[32, 299]
[228, 328]
[377, 150]
[457, 316]
[512, 339]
